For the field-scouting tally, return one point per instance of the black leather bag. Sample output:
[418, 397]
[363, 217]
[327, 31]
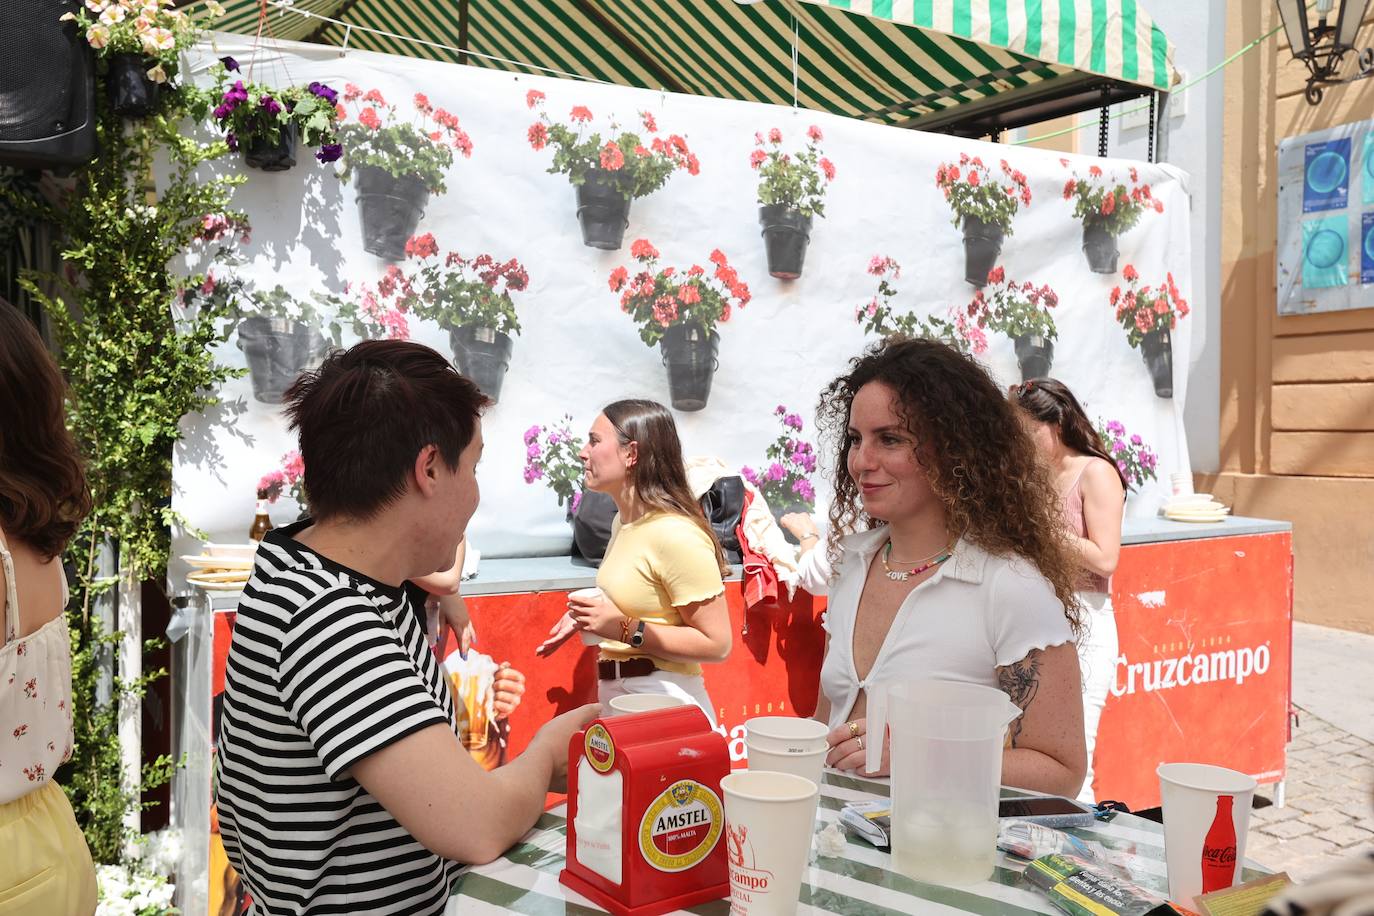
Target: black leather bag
[723, 504]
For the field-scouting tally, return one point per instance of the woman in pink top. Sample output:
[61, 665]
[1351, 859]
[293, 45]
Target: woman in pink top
[45, 866]
[1093, 490]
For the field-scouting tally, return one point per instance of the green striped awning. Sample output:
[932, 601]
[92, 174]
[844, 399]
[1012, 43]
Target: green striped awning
[907, 63]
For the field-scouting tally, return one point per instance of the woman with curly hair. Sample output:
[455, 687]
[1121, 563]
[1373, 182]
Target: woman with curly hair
[958, 570]
[1092, 493]
[46, 867]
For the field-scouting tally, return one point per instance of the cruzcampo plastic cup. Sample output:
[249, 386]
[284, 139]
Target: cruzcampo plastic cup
[768, 819]
[787, 744]
[643, 702]
[1201, 850]
[588, 637]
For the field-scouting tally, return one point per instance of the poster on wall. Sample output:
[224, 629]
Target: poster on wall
[1034, 262]
[1326, 191]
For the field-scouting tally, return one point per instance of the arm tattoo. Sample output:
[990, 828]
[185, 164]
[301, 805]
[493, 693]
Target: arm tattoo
[1021, 681]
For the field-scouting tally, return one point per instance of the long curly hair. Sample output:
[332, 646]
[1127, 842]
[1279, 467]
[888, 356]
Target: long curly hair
[43, 492]
[979, 459]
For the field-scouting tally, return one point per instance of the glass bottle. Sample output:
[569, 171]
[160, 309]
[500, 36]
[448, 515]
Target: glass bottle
[261, 522]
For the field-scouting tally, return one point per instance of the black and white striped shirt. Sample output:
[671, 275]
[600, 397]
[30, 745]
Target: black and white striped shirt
[326, 666]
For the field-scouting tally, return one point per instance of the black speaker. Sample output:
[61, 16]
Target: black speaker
[47, 87]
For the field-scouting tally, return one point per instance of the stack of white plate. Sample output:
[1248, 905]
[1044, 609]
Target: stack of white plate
[1194, 507]
[221, 567]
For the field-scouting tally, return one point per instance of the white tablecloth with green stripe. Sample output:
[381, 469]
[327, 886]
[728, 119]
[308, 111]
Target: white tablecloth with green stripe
[861, 881]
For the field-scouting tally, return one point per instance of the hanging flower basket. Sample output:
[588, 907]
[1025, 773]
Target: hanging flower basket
[1034, 354]
[263, 153]
[389, 208]
[607, 173]
[690, 356]
[602, 211]
[483, 355]
[786, 233]
[982, 245]
[983, 203]
[1108, 208]
[132, 93]
[1157, 348]
[792, 190]
[784, 480]
[278, 350]
[956, 327]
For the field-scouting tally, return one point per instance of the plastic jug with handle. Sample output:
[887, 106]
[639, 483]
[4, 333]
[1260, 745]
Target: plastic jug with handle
[946, 765]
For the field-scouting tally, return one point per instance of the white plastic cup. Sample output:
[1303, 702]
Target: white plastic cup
[643, 702]
[768, 820]
[588, 637]
[1181, 483]
[1189, 793]
[786, 744]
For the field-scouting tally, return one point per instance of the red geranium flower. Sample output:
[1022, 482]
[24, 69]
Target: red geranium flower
[581, 113]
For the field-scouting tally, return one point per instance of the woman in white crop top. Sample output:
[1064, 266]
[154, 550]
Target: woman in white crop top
[46, 866]
[958, 570]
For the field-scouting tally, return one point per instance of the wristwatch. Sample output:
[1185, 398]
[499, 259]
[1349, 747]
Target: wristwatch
[637, 637]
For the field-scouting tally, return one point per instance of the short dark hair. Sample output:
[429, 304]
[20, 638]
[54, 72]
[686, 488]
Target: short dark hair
[364, 415]
[43, 494]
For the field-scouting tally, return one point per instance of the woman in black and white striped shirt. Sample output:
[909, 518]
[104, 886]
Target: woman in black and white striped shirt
[343, 787]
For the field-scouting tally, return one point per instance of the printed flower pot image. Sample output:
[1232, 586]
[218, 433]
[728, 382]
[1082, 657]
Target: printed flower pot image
[389, 209]
[278, 351]
[1099, 246]
[982, 245]
[602, 211]
[132, 94]
[780, 511]
[690, 355]
[785, 236]
[483, 355]
[1035, 355]
[1157, 347]
[259, 153]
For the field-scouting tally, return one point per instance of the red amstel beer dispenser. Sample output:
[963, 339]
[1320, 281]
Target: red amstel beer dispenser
[645, 816]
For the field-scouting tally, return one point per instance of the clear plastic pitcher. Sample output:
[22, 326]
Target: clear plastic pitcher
[946, 767]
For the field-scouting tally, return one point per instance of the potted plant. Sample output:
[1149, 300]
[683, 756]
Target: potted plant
[399, 164]
[1107, 208]
[786, 481]
[289, 479]
[280, 336]
[266, 123]
[1020, 311]
[1132, 456]
[879, 317]
[1149, 315]
[607, 174]
[984, 205]
[791, 192]
[679, 311]
[139, 43]
[471, 299]
[551, 455]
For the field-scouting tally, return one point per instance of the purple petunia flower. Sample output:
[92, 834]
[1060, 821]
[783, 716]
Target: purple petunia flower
[1115, 428]
[779, 410]
[533, 451]
[232, 140]
[776, 471]
[792, 421]
[533, 473]
[804, 489]
[532, 433]
[230, 64]
[269, 105]
[1136, 440]
[236, 93]
[748, 474]
[222, 111]
[329, 152]
[322, 91]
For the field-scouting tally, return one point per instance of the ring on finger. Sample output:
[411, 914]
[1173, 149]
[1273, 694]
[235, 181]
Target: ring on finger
[853, 729]
[860, 739]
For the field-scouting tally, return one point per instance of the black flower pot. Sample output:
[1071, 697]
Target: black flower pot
[260, 153]
[982, 245]
[132, 94]
[1035, 355]
[785, 235]
[602, 211]
[483, 355]
[277, 351]
[780, 511]
[1099, 246]
[389, 208]
[1157, 347]
[690, 355]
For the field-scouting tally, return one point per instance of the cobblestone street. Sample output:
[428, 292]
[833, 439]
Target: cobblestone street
[1329, 809]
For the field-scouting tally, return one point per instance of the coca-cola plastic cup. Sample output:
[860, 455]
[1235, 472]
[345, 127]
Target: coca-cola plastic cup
[588, 637]
[1206, 819]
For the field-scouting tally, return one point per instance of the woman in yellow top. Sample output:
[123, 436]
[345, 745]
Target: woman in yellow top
[661, 611]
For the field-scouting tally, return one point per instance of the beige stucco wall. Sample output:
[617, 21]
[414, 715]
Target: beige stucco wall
[1297, 392]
